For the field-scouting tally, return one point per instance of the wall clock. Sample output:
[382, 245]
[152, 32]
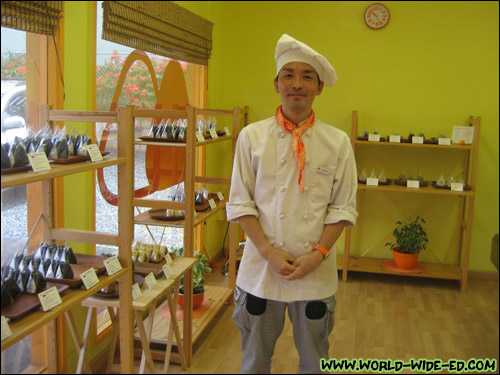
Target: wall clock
[377, 16]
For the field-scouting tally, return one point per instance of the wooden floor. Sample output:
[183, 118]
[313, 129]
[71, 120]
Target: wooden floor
[377, 317]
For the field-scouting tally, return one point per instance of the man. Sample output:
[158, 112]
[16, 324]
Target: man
[293, 190]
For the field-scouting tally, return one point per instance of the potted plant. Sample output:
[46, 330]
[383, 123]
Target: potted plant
[411, 239]
[200, 269]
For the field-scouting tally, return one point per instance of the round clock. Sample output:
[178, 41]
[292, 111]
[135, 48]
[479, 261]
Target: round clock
[377, 16]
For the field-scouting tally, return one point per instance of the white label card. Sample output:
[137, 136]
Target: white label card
[456, 186]
[372, 181]
[220, 195]
[463, 133]
[89, 278]
[167, 270]
[213, 134]
[94, 152]
[444, 141]
[136, 292]
[49, 298]
[226, 129]
[413, 184]
[168, 259]
[39, 162]
[150, 281]
[395, 139]
[374, 137]
[417, 140]
[6, 332]
[212, 204]
[112, 265]
[200, 137]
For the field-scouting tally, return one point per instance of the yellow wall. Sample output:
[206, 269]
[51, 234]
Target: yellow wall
[435, 64]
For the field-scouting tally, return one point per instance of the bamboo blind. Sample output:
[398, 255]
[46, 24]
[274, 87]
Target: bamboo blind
[39, 17]
[160, 27]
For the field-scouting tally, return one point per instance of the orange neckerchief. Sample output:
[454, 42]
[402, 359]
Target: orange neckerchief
[298, 144]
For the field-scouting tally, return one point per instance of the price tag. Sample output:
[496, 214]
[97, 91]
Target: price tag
[456, 186]
[6, 332]
[417, 140]
[94, 152]
[220, 195]
[213, 134]
[167, 270]
[372, 181]
[39, 162]
[212, 204]
[112, 265]
[89, 278]
[374, 137]
[395, 139]
[136, 292]
[49, 298]
[151, 281]
[226, 129]
[200, 137]
[444, 141]
[463, 133]
[168, 259]
[413, 184]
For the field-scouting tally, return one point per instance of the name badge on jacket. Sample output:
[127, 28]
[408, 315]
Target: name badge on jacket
[323, 170]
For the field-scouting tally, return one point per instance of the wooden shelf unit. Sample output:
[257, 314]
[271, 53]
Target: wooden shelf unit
[191, 331]
[28, 324]
[458, 271]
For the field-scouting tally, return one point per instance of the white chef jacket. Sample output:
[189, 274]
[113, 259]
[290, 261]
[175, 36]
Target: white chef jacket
[264, 184]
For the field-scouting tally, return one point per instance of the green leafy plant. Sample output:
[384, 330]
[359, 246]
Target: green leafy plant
[410, 238]
[200, 269]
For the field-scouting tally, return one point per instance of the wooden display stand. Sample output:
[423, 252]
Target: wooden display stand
[33, 321]
[190, 221]
[458, 271]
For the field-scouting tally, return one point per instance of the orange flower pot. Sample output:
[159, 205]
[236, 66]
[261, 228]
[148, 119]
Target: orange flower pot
[406, 261]
[197, 299]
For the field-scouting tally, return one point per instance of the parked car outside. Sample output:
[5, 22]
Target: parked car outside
[13, 110]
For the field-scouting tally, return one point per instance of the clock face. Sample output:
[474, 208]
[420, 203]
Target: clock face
[377, 16]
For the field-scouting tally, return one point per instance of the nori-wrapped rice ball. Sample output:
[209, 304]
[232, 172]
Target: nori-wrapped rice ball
[6, 297]
[36, 283]
[62, 149]
[45, 145]
[84, 141]
[68, 255]
[52, 269]
[10, 282]
[64, 271]
[18, 156]
[45, 266]
[22, 279]
[5, 156]
[40, 253]
[16, 261]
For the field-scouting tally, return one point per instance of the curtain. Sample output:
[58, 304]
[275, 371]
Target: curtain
[39, 17]
[160, 27]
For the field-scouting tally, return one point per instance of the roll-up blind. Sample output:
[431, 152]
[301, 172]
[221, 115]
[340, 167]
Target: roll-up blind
[160, 27]
[39, 17]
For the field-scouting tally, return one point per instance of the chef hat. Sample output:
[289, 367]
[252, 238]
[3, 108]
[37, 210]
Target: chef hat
[289, 50]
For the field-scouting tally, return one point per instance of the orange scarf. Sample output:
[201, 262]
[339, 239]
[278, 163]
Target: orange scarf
[298, 144]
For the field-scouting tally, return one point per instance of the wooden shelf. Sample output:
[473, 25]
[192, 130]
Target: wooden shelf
[415, 145]
[433, 270]
[145, 219]
[423, 190]
[464, 221]
[23, 327]
[58, 170]
[190, 329]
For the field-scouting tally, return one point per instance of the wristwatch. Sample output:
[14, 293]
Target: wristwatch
[324, 251]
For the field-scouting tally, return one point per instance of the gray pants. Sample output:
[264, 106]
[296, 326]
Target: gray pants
[261, 323]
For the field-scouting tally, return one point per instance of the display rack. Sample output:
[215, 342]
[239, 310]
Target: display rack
[26, 325]
[218, 295]
[459, 270]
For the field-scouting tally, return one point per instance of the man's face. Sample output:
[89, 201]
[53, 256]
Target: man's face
[297, 84]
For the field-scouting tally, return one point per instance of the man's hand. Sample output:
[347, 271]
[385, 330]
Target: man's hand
[304, 264]
[281, 261]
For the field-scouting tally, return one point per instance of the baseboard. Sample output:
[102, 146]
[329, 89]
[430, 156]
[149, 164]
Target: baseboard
[484, 275]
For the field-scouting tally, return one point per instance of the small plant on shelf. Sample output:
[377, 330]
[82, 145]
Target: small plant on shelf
[200, 269]
[411, 239]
